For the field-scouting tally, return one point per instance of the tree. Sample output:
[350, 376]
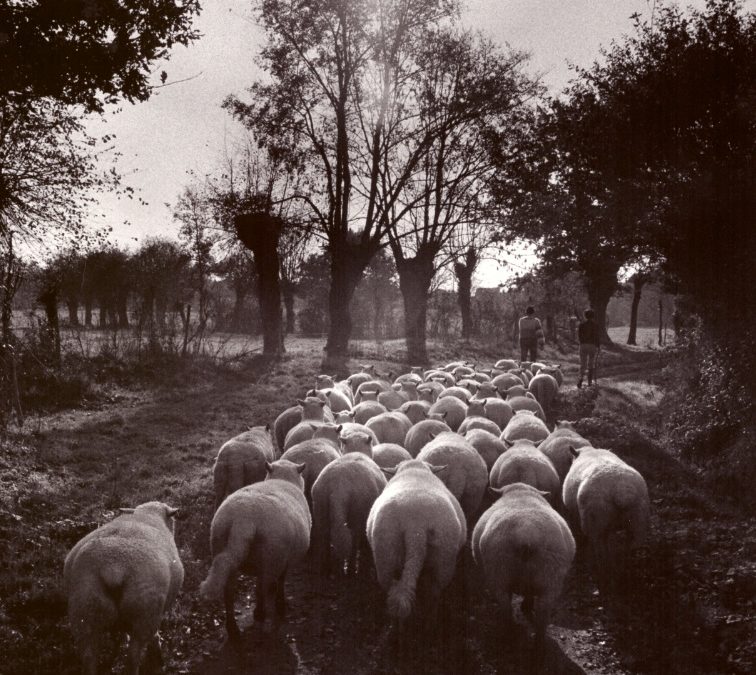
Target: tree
[88, 52]
[334, 102]
[238, 268]
[198, 239]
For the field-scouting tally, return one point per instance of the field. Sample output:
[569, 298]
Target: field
[688, 607]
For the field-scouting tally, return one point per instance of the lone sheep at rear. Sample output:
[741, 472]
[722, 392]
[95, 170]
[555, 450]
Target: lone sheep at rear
[241, 461]
[604, 495]
[416, 525]
[261, 530]
[524, 547]
[123, 576]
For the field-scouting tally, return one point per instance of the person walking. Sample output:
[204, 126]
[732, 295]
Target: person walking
[531, 335]
[590, 342]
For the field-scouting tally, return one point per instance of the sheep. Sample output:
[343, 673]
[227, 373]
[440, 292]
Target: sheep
[441, 377]
[415, 525]
[409, 390]
[356, 442]
[301, 432]
[525, 463]
[263, 530]
[478, 422]
[390, 427]
[392, 399]
[603, 495]
[364, 410]
[556, 372]
[241, 461]
[429, 391]
[454, 408]
[559, 444]
[526, 402]
[523, 546]
[506, 364]
[498, 411]
[387, 455]
[487, 445]
[513, 391]
[414, 378]
[469, 384]
[466, 475]
[356, 379]
[506, 380]
[422, 433]
[482, 376]
[311, 408]
[416, 410]
[524, 424]
[326, 382]
[341, 500]
[123, 576]
[461, 393]
[544, 387]
[350, 427]
[329, 433]
[337, 400]
[462, 372]
[485, 390]
[372, 385]
[315, 454]
[523, 373]
[343, 417]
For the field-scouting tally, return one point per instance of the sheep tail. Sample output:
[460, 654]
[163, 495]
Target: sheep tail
[225, 564]
[341, 538]
[401, 596]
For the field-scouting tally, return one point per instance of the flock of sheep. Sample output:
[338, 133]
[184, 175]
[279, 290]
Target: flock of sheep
[368, 468]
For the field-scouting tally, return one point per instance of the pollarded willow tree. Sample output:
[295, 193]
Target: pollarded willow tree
[338, 76]
[474, 97]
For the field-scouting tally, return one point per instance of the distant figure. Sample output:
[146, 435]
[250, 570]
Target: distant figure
[531, 335]
[590, 341]
[573, 324]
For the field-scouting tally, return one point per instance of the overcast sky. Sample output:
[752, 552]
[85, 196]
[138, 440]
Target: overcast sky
[182, 128]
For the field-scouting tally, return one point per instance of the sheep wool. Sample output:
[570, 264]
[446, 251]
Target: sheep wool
[241, 461]
[342, 497]
[415, 525]
[388, 455]
[489, 446]
[315, 454]
[524, 425]
[123, 576]
[422, 433]
[523, 546]
[525, 463]
[263, 530]
[454, 408]
[390, 427]
[465, 475]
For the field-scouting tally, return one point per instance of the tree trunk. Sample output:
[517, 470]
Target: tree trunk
[88, 312]
[638, 283]
[415, 276]
[72, 304]
[287, 289]
[238, 311]
[260, 233]
[599, 294]
[123, 312]
[49, 299]
[464, 272]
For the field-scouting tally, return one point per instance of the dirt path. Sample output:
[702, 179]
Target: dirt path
[686, 607]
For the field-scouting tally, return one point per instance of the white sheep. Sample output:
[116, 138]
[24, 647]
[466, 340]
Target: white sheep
[602, 496]
[393, 399]
[525, 424]
[364, 410]
[123, 576]
[486, 390]
[415, 525]
[506, 364]
[314, 454]
[466, 474]
[413, 377]
[498, 411]
[416, 410]
[241, 461]
[523, 546]
[470, 384]
[482, 376]
[478, 422]
[390, 427]
[487, 445]
[506, 380]
[342, 497]
[388, 455]
[356, 442]
[526, 402]
[559, 445]
[461, 393]
[429, 391]
[422, 433]
[454, 408]
[440, 376]
[311, 408]
[525, 463]
[263, 530]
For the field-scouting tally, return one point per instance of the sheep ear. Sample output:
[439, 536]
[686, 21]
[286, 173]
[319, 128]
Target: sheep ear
[507, 443]
[496, 491]
[300, 402]
[573, 452]
[171, 512]
[529, 394]
[339, 428]
[443, 415]
[432, 435]
[314, 427]
[268, 467]
[342, 438]
[124, 510]
[267, 427]
[389, 470]
[437, 469]
[322, 403]
[545, 493]
[301, 467]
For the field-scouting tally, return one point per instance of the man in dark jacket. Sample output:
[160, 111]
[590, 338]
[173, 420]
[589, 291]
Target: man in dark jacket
[588, 336]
